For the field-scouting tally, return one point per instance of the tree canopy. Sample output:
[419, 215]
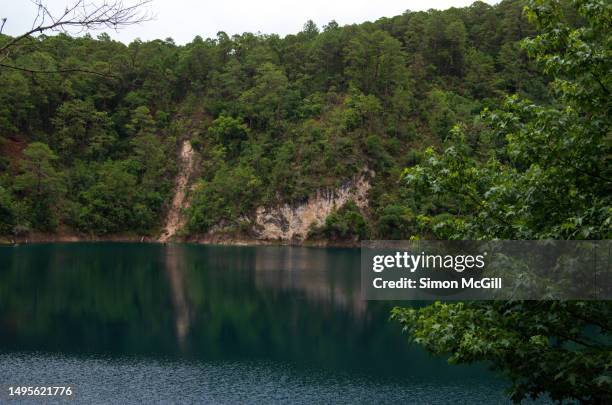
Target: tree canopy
[531, 171]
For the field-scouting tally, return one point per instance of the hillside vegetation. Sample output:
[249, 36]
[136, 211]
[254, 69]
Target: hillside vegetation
[273, 119]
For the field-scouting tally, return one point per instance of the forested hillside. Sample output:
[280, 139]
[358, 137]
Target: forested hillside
[273, 119]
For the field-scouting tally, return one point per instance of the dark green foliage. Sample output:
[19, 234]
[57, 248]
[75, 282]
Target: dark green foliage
[15, 104]
[531, 171]
[225, 199]
[114, 202]
[229, 132]
[552, 348]
[96, 160]
[396, 222]
[81, 130]
[40, 185]
[346, 223]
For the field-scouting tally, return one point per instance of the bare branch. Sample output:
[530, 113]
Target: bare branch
[85, 15]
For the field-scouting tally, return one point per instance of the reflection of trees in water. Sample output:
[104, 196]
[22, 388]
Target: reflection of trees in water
[98, 297]
[174, 269]
[218, 303]
[320, 276]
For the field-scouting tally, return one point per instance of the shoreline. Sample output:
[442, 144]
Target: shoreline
[38, 238]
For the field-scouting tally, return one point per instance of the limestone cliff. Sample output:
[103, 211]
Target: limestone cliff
[293, 221]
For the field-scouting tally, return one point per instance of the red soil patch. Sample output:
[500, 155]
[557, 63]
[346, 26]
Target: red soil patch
[12, 148]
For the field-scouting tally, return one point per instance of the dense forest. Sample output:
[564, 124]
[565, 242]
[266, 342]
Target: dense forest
[274, 119]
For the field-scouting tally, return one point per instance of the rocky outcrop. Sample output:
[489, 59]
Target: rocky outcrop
[291, 222]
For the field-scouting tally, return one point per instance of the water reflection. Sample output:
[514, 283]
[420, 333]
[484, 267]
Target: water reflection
[298, 306]
[317, 275]
[175, 269]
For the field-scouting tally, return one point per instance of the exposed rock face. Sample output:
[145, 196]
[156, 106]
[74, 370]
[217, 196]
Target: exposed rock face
[292, 222]
[175, 219]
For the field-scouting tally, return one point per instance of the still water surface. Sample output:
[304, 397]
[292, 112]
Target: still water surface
[147, 323]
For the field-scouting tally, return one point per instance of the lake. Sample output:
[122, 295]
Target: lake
[147, 323]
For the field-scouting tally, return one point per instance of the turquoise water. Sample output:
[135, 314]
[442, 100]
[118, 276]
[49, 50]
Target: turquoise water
[146, 323]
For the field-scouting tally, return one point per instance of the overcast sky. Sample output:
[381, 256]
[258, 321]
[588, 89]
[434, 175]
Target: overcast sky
[184, 19]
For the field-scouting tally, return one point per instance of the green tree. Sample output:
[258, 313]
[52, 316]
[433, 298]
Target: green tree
[41, 184]
[196, 62]
[546, 174]
[82, 131]
[149, 152]
[226, 199]
[310, 29]
[396, 222]
[141, 122]
[345, 223]
[229, 131]
[361, 111]
[114, 203]
[376, 63]
[445, 38]
[265, 101]
[442, 109]
[479, 74]
[15, 104]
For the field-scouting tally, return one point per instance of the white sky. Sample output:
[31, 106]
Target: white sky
[184, 19]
